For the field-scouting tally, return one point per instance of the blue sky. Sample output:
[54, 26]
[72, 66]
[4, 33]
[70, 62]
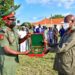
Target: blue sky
[35, 10]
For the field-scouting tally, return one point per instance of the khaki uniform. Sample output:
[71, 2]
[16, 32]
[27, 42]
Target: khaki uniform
[65, 55]
[8, 63]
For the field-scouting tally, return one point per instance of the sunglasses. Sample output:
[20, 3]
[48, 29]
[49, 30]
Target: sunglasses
[12, 18]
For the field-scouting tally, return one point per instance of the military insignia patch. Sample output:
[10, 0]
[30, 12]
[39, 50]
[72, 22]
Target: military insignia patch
[1, 36]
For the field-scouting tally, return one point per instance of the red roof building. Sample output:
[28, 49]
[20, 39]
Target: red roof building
[49, 22]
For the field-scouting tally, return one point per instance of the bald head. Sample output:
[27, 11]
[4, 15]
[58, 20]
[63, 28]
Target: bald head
[69, 18]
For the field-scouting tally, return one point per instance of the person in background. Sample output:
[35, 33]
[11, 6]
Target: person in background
[17, 27]
[39, 29]
[50, 36]
[65, 51]
[43, 29]
[22, 33]
[61, 31]
[55, 33]
[34, 29]
[28, 40]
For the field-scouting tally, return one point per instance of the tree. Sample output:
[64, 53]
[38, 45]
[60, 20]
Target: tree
[57, 16]
[4, 6]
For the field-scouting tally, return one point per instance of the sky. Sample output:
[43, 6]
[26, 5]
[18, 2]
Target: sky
[36, 10]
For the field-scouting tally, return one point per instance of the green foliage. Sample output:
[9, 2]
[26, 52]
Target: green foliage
[57, 16]
[12, 9]
[4, 6]
[2, 23]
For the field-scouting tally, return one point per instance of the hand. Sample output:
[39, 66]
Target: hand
[45, 41]
[29, 34]
[46, 51]
[26, 52]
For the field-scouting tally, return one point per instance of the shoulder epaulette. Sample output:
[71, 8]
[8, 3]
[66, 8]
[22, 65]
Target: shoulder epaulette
[4, 29]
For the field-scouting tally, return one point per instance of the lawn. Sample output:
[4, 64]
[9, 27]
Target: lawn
[36, 66]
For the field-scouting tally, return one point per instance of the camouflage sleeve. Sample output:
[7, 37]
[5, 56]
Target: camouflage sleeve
[67, 46]
[64, 48]
[58, 49]
[4, 41]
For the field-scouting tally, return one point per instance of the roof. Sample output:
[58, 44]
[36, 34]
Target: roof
[47, 21]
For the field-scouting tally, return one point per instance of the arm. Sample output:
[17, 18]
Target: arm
[8, 50]
[64, 48]
[5, 45]
[49, 49]
[26, 37]
[67, 46]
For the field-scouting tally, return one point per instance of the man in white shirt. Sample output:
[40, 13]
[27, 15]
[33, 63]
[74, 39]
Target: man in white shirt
[22, 33]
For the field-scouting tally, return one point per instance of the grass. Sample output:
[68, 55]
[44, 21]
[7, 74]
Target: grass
[36, 66]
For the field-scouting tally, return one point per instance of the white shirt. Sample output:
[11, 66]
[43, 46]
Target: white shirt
[22, 34]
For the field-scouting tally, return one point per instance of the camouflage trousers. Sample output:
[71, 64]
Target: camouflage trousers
[9, 66]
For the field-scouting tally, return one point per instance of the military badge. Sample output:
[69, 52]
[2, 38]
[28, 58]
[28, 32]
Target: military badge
[1, 36]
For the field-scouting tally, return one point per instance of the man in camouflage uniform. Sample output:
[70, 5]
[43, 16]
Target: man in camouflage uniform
[9, 47]
[65, 51]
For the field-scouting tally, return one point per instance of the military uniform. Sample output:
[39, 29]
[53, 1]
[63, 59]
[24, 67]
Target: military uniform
[65, 55]
[8, 63]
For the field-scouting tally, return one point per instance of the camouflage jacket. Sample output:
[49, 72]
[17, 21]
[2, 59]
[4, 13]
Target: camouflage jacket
[65, 55]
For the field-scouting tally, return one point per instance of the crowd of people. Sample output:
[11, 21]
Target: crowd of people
[52, 34]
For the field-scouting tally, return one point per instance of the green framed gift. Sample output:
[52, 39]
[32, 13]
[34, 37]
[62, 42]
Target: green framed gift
[37, 45]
